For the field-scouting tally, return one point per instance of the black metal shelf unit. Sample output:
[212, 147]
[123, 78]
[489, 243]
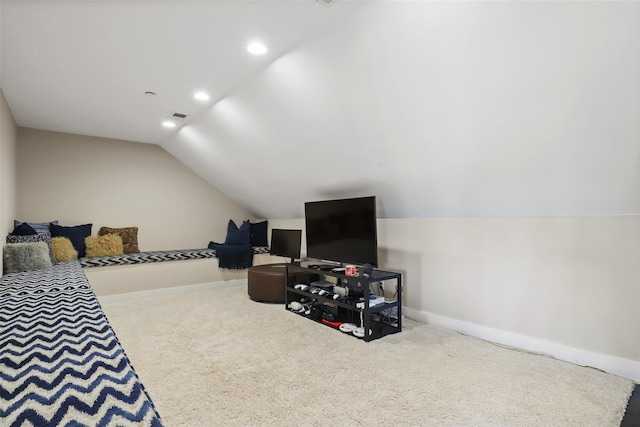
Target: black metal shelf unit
[378, 320]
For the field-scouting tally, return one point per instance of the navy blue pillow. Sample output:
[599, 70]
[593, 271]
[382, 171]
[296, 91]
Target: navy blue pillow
[39, 227]
[76, 234]
[259, 234]
[23, 229]
[238, 236]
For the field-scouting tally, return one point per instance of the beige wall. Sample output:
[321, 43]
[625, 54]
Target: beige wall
[81, 179]
[567, 286]
[8, 142]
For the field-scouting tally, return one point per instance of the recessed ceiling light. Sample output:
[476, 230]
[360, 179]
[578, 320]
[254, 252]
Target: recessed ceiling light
[168, 124]
[257, 48]
[201, 96]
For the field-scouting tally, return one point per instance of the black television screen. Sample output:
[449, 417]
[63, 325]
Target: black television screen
[286, 243]
[342, 230]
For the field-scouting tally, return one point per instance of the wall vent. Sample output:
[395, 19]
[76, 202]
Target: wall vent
[178, 115]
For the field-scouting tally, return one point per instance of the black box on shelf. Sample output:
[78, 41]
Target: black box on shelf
[306, 279]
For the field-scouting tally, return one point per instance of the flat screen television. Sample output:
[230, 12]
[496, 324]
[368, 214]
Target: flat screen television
[286, 243]
[342, 230]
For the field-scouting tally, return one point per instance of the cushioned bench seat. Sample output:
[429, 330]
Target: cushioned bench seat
[157, 256]
[155, 270]
[60, 361]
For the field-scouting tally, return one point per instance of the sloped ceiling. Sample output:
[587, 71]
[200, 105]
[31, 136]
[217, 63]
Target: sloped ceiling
[437, 108]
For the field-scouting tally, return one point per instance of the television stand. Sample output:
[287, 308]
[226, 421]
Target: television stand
[372, 304]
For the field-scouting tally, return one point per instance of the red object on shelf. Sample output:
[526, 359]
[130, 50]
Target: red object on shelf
[333, 324]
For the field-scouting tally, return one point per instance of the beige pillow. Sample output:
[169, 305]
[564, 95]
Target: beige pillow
[62, 249]
[129, 237]
[107, 245]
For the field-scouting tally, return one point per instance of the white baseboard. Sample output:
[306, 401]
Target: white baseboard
[611, 364]
[132, 296]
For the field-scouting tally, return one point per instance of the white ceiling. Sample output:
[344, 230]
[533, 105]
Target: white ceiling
[83, 67]
[437, 108]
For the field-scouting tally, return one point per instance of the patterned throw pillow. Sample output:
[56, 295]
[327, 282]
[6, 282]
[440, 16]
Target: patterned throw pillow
[129, 236]
[107, 245]
[26, 257]
[31, 239]
[62, 249]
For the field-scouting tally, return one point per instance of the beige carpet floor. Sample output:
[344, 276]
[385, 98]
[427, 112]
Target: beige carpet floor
[215, 357]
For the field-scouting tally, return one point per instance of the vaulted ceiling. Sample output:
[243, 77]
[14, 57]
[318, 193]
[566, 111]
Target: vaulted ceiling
[437, 108]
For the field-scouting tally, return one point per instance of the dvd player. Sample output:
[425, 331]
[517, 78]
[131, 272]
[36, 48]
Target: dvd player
[322, 284]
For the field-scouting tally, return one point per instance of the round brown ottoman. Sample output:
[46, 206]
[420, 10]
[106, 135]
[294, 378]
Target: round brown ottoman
[266, 282]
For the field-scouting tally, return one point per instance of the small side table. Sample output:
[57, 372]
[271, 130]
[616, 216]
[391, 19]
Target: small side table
[266, 282]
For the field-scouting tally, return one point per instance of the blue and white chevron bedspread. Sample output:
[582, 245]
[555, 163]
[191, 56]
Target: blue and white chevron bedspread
[157, 256]
[60, 362]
